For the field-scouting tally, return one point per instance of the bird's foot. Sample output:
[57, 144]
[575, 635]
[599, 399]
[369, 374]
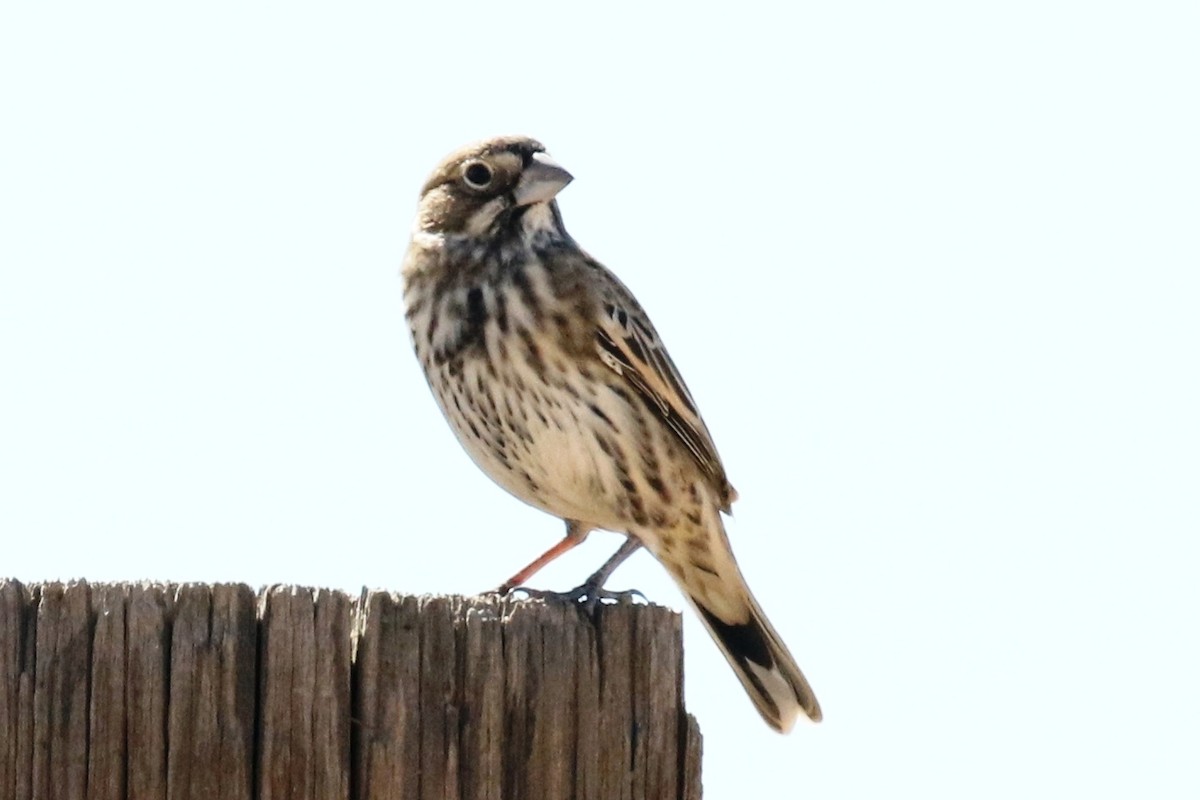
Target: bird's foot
[586, 595]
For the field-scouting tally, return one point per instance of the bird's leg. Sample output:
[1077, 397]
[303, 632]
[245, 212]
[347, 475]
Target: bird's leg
[592, 591]
[576, 533]
[593, 588]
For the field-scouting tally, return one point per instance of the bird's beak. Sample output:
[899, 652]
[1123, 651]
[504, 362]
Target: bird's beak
[540, 181]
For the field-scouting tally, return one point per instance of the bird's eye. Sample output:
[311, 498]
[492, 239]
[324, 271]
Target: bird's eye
[477, 174]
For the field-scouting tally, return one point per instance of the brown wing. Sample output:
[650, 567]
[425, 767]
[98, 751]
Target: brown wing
[628, 344]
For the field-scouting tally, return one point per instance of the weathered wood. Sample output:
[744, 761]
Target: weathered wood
[107, 708]
[304, 695]
[386, 743]
[538, 670]
[691, 748]
[211, 716]
[16, 720]
[616, 698]
[482, 644]
[161, 692]
[148, 622]
[60, 692]
[659, 684]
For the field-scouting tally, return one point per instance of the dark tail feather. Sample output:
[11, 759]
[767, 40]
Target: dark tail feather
[765, 667]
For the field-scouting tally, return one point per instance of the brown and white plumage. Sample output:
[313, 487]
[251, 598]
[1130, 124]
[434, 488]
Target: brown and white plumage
[560, 389]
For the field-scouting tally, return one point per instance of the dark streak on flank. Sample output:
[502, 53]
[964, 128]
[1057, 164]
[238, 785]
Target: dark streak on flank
[533, 353]
[658, 486]
[639, 509]
[533, 486]
[621, 393]
[604, 444]
[697, 547]
[600, 413]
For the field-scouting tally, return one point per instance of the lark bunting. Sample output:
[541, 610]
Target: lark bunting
[560, 389]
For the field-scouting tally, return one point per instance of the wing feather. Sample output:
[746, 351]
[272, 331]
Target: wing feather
[629, 345]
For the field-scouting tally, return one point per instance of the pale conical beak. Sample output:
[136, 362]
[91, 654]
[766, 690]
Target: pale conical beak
[540, 181]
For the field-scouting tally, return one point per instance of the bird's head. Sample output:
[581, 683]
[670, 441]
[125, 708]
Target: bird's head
[482, 187]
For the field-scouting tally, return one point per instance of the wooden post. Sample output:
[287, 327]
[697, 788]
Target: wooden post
[165, 692]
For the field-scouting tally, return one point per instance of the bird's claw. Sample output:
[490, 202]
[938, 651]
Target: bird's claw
[586, 596]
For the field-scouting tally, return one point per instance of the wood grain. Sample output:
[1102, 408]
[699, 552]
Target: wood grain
[106, 705]
[211, 712]
[165, 692]
[304, 695]
[60, 692]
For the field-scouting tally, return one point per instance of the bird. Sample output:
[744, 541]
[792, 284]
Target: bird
[560, 389]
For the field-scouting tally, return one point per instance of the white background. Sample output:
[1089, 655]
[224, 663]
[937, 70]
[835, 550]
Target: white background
[929, 268]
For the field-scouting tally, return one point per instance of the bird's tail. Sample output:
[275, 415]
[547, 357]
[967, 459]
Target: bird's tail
[765, 667]
[738, 625]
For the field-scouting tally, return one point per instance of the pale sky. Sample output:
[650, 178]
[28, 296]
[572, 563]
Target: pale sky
[931, 270]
